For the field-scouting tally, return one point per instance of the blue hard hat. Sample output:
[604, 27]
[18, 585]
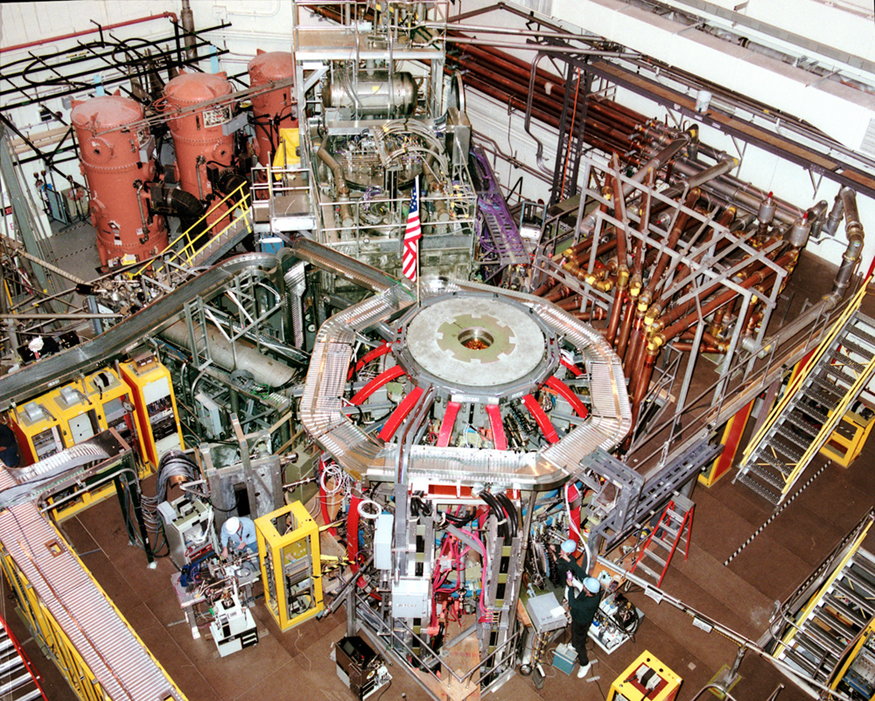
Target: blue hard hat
[592, 585]
[569, 546]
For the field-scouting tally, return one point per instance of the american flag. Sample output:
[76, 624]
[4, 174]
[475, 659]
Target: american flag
[410, 256]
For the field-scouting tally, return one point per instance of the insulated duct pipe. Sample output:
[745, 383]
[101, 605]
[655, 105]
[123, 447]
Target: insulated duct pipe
[177, 203]
[851, 256]
[187, 17]
[339, 183]
[243, 356]
[854, 231]
[326, 258]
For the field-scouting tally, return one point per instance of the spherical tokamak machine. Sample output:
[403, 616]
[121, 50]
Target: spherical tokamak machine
[117, 164]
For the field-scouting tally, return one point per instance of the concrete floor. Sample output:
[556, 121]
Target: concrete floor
[296, 665]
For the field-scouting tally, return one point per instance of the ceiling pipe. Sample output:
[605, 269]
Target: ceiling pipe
[84, 32]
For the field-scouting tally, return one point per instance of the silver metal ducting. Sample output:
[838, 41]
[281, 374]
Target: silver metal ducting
[364, 455]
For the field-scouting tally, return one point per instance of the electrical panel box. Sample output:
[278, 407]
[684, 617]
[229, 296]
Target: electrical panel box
[411, 598]
[646, 679]
[73, 413]
[38, 431]
[383, 541]
[233, 627]
[187, 526]
[291, 566]
[155, 402]
[564, 658]
[546, 612]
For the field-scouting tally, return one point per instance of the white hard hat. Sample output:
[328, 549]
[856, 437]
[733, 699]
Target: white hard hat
[232, 524]
[592, 585]
[569, 546]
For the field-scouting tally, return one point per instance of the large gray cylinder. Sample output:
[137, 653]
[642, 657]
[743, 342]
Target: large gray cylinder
[373, 94]
[265, 371]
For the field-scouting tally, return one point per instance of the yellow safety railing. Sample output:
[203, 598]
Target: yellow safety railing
[184, 249]
[796, 384]
[821, 592]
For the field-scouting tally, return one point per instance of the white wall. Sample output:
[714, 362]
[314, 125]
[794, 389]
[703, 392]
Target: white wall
[840, 111]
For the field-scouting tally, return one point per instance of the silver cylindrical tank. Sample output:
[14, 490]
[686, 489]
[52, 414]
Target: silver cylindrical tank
[373, 94]
[244, 356]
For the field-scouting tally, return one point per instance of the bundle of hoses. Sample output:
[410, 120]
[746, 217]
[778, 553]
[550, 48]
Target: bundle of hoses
[506, 513]
[175, 467]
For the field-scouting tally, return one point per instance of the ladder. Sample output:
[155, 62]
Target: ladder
[836, 616]
[19, 681]
[811, 408]
[674, 528]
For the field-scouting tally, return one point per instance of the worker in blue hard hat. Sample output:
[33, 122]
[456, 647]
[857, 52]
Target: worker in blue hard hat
[584, 594]
[238, 535]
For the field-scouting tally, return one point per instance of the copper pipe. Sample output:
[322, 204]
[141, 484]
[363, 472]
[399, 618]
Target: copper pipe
[707, 338]
[642, 384]
[674, 236]
[635, 343]
[621, 234]
[626, 328]
[686, 347]
[561, 292]
[549, 284]
[753, 279]
[683, 269]
[679, 310]
[569, 303]
[614, 323]
[597, 315]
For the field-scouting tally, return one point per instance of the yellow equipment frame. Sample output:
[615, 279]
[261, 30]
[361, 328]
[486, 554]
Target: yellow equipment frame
[288, 551]
[626, 686]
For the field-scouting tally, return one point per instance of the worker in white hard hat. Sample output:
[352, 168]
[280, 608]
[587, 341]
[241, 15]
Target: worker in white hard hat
[238, 535]
[584, 594]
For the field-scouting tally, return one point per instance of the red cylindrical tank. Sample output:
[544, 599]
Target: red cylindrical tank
[272, 110]
[198, 138]
[118, 167]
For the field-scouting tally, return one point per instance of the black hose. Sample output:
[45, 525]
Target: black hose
[511, 512]
[176, 202]
[495, 506]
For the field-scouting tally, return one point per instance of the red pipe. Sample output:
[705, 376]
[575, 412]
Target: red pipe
[566, 392]
[83, 32]
[367, 358]
[499, 439]
[400, 413]
[352, 532]
[543, 420]
[447, 424]
[573, 369]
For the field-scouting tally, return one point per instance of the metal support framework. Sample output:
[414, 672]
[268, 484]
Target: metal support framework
[572, 122]
[706, 266]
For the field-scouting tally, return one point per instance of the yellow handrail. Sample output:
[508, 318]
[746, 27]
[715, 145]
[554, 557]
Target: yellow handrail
[791, 391]
[187, 245]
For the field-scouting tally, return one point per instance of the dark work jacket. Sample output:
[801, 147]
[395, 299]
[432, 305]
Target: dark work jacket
[582, 607]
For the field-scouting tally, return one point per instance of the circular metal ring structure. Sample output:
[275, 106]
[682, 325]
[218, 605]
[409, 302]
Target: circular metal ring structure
[475, 344]
[461, 366]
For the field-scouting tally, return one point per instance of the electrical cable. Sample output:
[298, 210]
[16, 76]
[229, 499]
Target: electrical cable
[511, 513]
[496, 508]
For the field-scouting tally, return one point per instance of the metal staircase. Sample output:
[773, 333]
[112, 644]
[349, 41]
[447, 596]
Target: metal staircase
[802, 422]
[673, 529]
[19, 681]
[832, 621]
[500, 236]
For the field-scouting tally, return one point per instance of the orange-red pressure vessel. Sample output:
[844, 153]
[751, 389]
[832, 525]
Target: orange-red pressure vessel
[115, 163]
[272, 110]
[197, 134]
